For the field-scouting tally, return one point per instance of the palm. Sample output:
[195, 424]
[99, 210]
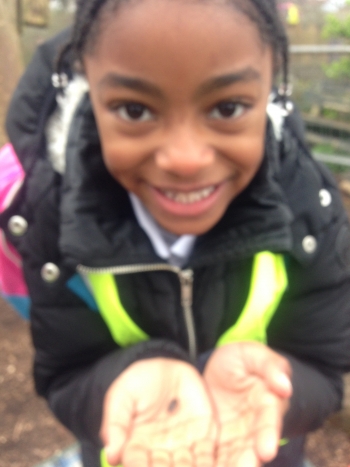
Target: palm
[167, 414]
[241, 418]
[249, 412]
[177, 414]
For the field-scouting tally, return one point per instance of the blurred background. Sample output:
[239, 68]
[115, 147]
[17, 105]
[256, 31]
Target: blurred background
[319, 32]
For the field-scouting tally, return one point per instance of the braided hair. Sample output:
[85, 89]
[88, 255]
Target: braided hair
[264, 13]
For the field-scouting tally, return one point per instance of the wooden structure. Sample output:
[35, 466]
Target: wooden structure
[34, 12]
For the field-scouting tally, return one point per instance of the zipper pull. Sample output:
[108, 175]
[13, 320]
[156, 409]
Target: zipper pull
[186, 281]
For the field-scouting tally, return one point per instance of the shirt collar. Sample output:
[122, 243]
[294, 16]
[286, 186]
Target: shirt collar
[172, 248]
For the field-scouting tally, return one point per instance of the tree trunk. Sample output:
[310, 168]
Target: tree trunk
[11, 65]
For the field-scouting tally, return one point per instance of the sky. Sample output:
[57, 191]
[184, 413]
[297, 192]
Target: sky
[333, 5]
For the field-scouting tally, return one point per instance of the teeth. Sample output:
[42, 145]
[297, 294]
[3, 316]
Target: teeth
[190, 197]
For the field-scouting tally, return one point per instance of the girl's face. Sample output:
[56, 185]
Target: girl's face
[179, 90]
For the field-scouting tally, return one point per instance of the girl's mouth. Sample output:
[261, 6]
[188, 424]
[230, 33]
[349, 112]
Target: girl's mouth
[189, 197]
[196, 202]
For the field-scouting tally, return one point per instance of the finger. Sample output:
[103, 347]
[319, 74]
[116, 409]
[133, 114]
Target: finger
[247, 458]
[237, 454]
[278, 380]
[160, 458]
[282, 385]
[234, 452]
[267, 443]
[135, 456]
[183, 458]
[116, 422]
[117, 436]
[272, 367]
[203, 453]
[269, 425]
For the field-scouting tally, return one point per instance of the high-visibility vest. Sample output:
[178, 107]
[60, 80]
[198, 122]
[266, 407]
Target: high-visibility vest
[268, 284]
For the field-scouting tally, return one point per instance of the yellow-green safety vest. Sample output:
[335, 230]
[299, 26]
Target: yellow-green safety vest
[268, 284]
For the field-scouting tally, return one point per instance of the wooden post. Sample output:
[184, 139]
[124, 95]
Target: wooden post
[19, 16]
[11, 65]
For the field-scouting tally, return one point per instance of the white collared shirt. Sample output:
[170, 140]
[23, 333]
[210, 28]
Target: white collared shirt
[170, 247]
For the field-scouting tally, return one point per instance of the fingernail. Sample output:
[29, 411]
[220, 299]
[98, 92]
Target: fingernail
[284, 382]
[108, 454]
[270, 448]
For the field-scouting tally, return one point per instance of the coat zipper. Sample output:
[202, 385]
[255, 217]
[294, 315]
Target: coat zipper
[186, 283]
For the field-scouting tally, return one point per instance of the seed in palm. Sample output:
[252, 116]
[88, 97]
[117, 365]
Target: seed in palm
[173, 405]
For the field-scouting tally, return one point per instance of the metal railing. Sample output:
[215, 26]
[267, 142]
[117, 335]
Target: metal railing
[343, 161]
[320, 49]
[324, 102]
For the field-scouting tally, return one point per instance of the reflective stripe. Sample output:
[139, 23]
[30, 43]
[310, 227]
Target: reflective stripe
[269, 282]
[123, 329]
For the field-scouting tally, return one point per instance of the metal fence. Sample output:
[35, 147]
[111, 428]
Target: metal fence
[323, 101]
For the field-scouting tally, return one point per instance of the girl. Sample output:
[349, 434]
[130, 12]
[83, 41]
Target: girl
[186, 229]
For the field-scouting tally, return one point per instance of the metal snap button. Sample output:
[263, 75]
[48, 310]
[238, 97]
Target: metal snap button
[309, 244]
[325, 198]
[17, 225]
[50, 272]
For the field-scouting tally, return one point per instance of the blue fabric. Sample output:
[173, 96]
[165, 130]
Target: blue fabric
[78, 286]
[68, 458]
[75, 284]
[307, 463]
[20, 304]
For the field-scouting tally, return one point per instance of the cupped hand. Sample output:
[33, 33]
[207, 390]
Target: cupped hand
[250, 386]
[157, 413]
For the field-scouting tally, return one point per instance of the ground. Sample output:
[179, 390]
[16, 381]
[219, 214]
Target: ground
[29, 434]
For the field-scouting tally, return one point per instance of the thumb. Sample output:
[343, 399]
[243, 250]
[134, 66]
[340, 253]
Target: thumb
[116, 422]
[279, 382]
[269, 365]
[278, 375]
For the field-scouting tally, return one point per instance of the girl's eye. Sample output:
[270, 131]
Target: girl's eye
[227, 110]
[134, 112]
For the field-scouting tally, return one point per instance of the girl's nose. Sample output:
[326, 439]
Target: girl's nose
[184, 153]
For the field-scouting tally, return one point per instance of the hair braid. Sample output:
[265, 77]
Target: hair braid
[86, 16]
[277, 36]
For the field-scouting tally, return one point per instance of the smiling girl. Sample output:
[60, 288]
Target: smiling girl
[185, 135]
[187, 259]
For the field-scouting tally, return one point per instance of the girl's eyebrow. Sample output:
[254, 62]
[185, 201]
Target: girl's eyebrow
[213, 84]
[115, 80]
[144, 86]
